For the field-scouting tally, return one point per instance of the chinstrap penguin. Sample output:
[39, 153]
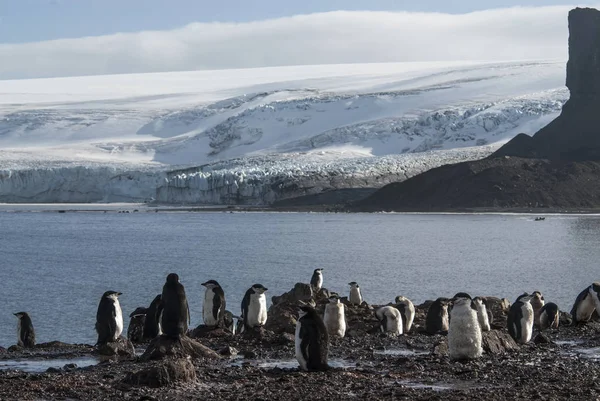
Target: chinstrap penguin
[254, 307]
[175, 315]
[25, 331]
[335, 317]
[482, 313]
[537, 302]
[355, 297]
[135, 330]
[464, 333]
[520, 319]
[213, 308]
[390, 320]
[152, 321]
[316, 280]
[407, 311]
[586, 303]
[549, 316]
[109, 318]
[437, 318]
[312, 340]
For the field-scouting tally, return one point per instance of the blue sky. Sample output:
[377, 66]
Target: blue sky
[36, 20]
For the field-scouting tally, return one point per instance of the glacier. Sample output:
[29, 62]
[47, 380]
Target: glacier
[256, 136]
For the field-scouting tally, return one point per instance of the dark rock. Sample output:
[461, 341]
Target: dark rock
[135, 330]
[497, 342]
[542, 339]
[203, 331]
[282, 313]
[15, 348]
[69, 367]
[228, 351]
[163, 374]
[440, 349]
[53, 370]
[249, 355]
[163, 346]
[122, 348]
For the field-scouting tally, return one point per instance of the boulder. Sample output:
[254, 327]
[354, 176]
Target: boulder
[282, 313]
[497, 342]
[163, 374]
[182, 347]
[122, 348]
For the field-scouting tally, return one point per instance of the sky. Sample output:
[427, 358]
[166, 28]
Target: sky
[55, 38]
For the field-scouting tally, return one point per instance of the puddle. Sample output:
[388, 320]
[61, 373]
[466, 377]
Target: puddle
[438, 386]
[587, 353]
[400, 352]
[41, 365]
[568, 343]
[286, 363]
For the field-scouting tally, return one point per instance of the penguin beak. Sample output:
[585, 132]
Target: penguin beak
[119, 294]
[16, 314]
[266, 289]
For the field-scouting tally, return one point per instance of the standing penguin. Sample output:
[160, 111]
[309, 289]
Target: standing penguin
[437, 319]
[464, 333]
[390, 320]
[152, 321]
[312, 340]
[213, 309]
[109, 318]
[25, 332]
[586, 303]
[355, 297]
[254, 307]
[549, 316]
[482, 313]
[175, 315]
[135, 330]
[316, 280]
[407, 311]
[537, 302]
[520, 319]
[335, 318]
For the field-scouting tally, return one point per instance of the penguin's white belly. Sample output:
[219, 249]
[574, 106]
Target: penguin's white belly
[355, 297]
[299, 356]
[335, 320]
[19, 339]
[320, 282]
[257, 311]
[585, 309]
[118, 320]
[410, 317]
[207, 309]
[394, 324]
[526, 323]
[464, 334]
[482, 317]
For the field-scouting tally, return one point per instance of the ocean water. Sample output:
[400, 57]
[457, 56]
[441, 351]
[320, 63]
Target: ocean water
[57, 265]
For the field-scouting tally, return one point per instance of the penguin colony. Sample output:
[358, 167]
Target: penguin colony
[461, 318]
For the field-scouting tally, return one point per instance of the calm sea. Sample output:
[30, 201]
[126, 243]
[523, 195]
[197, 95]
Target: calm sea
[57, 265]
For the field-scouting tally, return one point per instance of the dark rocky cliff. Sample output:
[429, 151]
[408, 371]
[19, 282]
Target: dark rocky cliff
[575, 134]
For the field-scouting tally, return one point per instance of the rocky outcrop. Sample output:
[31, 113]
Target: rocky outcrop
[575, 134]
[162, 347]
[122, 348]
[497, 342]
[284, 310]
[163, 374]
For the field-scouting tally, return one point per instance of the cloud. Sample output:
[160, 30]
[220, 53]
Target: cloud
[333, 37]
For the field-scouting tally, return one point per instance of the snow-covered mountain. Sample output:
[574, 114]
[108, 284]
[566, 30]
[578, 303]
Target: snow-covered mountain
[258, 135]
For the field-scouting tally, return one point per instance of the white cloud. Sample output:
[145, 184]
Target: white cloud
[334, 37]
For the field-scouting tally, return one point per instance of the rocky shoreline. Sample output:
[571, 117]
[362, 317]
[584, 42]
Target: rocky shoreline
[556, 365]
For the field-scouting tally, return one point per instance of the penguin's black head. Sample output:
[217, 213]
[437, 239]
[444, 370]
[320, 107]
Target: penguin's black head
[353, 284]
[259, 288]
[173, 278]
[525, 297]
[461, 295]
[211, 284]
[399, 299]
[318, 271]
[112, 294]
[334, 299]
[304, 310]
[21, 315]
[140, 311]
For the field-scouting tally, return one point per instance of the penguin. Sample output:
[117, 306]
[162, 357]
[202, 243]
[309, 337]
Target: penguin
[152, 321]
[312, 340]
[254, 307]
[407, 311]
[335, 318]
[520, 319]
[355, 297]
[229, 321]
[390, 320]
[175, 315]
[464, 333]
[537, 302]
[213, 309]
[549, 316]
[586, 303]
[316, 280]
[437, 319]
[109, 318]
[25, 332]
[482, 313]
[135, 330]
